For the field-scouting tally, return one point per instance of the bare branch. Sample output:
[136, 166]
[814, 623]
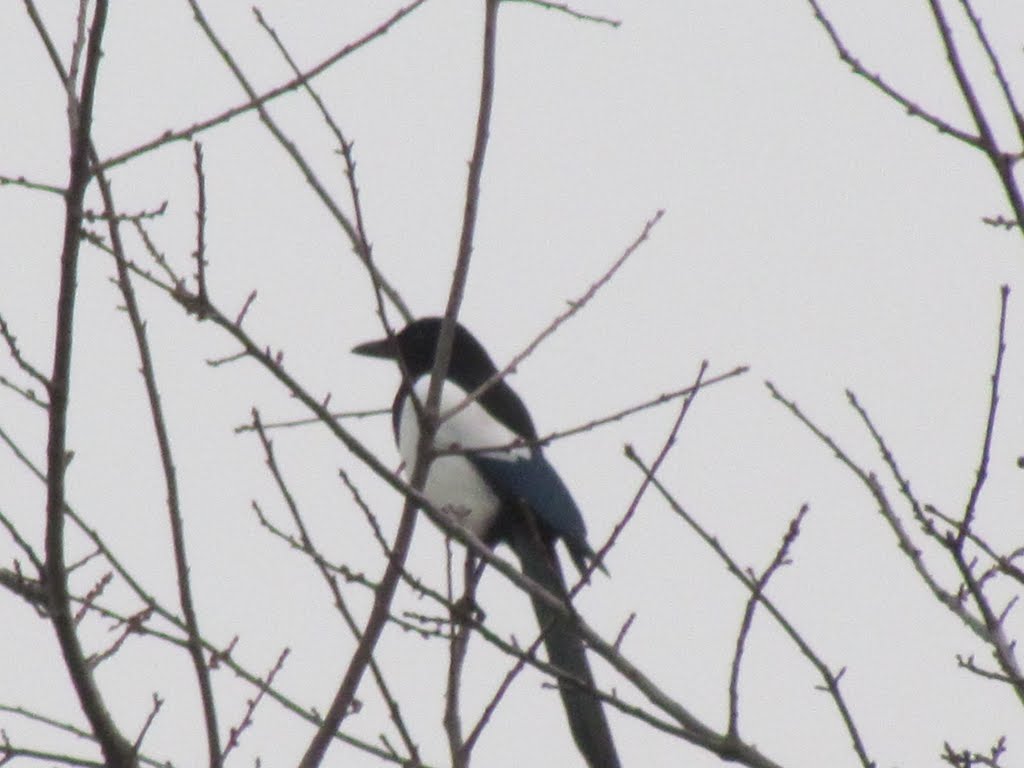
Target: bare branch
[760, 584]
[234, 735]
[21, 181]
[574, 307]
[200, 253]
[645, 483]
[362, 243]
[460, 615]
[381, 605]
[157, 704]
[256, 102]
[24, 364]
[724, 745]
[912, 108]
[990, 424]
[564, 8]
[339, 415]
[904, 540]
[308, 547]
[300, 162]
[989, 144]
[997, 67]
[22, 543]
[174, 512]
[116, 750]
[153, 213]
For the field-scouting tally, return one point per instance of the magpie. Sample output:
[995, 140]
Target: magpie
[493, 478]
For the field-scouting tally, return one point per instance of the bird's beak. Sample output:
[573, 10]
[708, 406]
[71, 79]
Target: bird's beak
[386, 348]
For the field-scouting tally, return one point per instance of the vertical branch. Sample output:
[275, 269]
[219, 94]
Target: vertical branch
[476, 165]
[124, 284]
[117, 751]
[403, 538]
[200, 254]
[982, 474]
[476, 169]
[458, 644]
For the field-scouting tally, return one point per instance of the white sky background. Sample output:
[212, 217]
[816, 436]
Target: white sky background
[812, 231]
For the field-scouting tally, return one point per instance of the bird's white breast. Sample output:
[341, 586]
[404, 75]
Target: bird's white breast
[453, 484]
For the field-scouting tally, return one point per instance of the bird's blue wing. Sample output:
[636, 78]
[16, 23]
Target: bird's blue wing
[532, 479]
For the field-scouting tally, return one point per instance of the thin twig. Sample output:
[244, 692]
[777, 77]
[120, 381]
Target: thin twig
[666, 446]
[174, 512]
[997, 67]
[157, 704]
[19, 358]
[594, 423]
[727, 744]
[21, 181]
[340, 415]
[362, 243]
[235, 733]
[29, 394]
[308, 547]
[780, 559]
[22, 543]
[563, 8]
[300, 162]
[989, 144]
[460, 615]
[885, 508]
[990, 424]
[92, 216]
[913, 109]
[574, 307]
[188, 133]
[200, 253]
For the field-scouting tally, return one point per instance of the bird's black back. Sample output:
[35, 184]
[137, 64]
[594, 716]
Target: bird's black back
[470, 366]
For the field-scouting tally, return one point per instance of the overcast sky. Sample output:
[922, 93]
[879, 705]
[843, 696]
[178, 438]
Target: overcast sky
[812, 231]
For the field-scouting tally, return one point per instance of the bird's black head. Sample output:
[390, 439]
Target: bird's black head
[416, 345]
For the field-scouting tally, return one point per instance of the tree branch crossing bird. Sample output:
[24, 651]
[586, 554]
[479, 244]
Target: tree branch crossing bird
[508, 494]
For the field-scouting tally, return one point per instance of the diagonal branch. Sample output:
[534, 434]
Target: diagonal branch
[912, 108]
[307, 546]
[780, 559]
[300, 162]
[989, 144]
[574, 307]
[258, 101]
[667, 446]
[728, 745]
[997, 67]
[362, 244]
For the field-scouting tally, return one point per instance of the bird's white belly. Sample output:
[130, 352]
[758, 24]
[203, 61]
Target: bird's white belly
[455, 488]
[453, 484]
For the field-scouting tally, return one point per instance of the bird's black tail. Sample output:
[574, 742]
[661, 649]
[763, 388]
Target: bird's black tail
[565, 651]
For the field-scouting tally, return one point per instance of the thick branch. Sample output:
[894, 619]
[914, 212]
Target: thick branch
[117, 751]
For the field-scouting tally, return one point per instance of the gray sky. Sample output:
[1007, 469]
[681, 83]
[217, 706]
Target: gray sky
[812, 231]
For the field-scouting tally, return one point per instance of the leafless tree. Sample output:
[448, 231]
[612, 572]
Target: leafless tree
[76, 578]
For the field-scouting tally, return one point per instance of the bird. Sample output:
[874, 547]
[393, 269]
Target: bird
[492, 477]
